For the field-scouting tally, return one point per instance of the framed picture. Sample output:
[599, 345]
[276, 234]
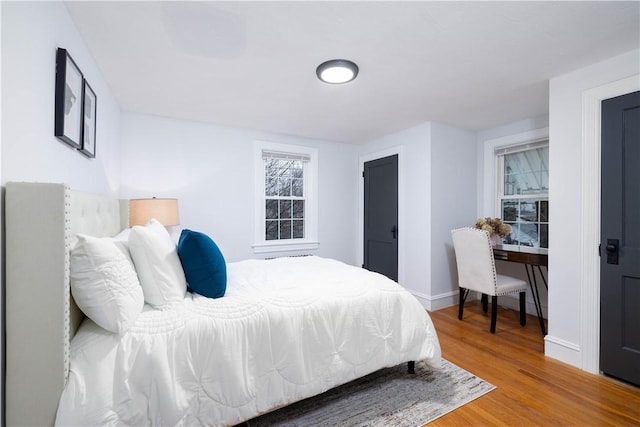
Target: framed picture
[68, 108]
[89, 110]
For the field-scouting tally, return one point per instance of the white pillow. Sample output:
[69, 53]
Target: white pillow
[104, 283]
[122, 242]
[155, 256]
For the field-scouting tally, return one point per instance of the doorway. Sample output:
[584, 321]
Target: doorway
[380, 250]
[620, 238]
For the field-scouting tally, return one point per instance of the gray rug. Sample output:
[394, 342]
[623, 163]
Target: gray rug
[389, 397]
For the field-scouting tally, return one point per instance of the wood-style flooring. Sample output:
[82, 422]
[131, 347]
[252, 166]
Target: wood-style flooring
[532, 390]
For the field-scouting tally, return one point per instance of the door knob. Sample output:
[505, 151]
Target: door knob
[394, 231]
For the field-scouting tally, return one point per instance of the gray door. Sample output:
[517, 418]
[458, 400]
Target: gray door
[381, 216]
[620, 234]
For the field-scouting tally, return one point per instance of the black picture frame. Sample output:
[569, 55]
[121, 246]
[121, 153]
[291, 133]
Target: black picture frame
[68, 102]
[89, 120]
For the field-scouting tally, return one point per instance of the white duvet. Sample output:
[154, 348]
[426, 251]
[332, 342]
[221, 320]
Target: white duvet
[287, 329]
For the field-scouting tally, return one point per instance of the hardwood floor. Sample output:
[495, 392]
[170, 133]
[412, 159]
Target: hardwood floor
[531, 388]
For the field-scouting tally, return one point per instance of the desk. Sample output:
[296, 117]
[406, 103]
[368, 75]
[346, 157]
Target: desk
[530, 257]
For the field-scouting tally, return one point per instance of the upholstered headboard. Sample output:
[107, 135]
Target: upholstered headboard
[41, 222]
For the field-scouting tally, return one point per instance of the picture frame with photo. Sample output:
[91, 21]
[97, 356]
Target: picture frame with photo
[89, 116]
[68, 99]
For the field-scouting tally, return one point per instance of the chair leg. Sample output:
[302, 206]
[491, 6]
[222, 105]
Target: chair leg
[523, 308]
[463, 294]
[485, 302]
[494, 313]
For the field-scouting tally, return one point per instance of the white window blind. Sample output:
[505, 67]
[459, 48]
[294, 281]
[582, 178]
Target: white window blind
[278, 155]
[503, 151]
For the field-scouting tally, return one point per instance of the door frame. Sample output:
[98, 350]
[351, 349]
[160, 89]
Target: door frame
[397, 150]
[590, 217]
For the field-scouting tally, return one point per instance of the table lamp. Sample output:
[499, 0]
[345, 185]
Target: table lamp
[164, 211]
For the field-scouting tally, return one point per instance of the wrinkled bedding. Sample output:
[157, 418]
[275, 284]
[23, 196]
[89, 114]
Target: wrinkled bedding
[287, 329]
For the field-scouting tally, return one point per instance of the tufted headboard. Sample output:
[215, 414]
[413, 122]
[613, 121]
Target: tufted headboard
[41, 222]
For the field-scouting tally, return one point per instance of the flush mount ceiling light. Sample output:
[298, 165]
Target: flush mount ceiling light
[337, 71]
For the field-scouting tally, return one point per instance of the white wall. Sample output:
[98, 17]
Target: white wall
[210, 170]
[565, 153]
[432, 202]
[453, 204]
[31, 33]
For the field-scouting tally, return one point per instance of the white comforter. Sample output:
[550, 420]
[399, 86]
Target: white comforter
[287, 329]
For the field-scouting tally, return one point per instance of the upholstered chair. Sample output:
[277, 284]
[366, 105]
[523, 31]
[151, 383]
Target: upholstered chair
[477, 272]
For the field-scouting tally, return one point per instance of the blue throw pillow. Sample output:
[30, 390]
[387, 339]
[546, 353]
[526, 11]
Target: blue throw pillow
[203, 264]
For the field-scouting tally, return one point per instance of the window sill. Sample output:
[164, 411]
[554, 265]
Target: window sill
[286, 246]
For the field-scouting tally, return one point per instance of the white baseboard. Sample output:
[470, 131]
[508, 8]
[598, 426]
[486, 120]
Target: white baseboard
[447, 299]
[436, 302]
[562, 350]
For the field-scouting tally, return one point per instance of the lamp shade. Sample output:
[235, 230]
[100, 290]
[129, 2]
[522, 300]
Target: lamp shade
[164, 211]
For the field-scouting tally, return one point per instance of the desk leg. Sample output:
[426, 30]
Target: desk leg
[543, 279]
[533, 284]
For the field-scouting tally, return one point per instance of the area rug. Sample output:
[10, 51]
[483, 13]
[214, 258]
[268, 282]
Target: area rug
[389, 397]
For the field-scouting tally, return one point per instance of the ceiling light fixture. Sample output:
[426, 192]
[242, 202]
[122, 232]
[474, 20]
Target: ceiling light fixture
[337, 71]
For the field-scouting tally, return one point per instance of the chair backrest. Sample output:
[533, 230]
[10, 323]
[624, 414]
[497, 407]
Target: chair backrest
[474, 257]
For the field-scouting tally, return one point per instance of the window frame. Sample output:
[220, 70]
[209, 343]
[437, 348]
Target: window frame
[310, 191]
[491, 206]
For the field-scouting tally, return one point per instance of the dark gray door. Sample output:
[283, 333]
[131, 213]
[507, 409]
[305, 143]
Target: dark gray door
[381, 216]
[620, 245]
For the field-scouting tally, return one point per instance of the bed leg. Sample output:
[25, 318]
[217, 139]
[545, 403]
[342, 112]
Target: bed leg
[411, 367]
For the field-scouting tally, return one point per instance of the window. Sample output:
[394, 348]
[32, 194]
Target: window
[286, 177]
[284, 196]
[523, 192]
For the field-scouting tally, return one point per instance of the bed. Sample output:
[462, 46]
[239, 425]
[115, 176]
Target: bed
[286, 329]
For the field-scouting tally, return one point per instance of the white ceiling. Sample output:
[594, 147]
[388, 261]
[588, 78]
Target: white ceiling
[473, 65]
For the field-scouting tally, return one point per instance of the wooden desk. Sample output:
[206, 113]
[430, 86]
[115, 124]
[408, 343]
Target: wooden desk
[522, 254]
[534, 257]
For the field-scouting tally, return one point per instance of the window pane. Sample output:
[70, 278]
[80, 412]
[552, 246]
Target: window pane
[509, 210]
[510, 184]
[510, 238]
[285, 209]
[271, 209]
[271, 167]
[526, 172]
[285, 229]
[528, 235]
[271, 228]
[285, 168]
[297, 187]
[284, 187]
[297, 171]
[271, 186]
[528, 211]
[298, 229]
[283, 165]
[298, 208]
